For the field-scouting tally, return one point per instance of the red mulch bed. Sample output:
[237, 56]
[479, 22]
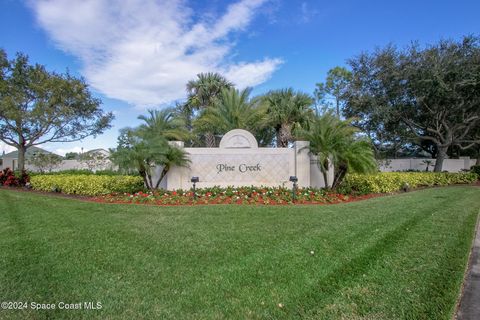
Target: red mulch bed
[273, 203]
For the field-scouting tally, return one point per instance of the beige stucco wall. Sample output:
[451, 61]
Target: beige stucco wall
[226, 167]
[239, 162]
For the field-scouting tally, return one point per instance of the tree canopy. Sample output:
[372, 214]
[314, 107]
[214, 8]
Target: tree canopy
[288, 111]
[233, 110]
[204, 92]
[334, 87]
[38, 106]
[337, 145]
[419, 94]
[143, 148]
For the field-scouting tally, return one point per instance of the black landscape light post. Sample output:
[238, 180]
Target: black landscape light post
[294, 179]
[194, 180]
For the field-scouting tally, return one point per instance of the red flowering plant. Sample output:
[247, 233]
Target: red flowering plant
[228, 195]
[23, 178]
[3, 176]
[8, 178]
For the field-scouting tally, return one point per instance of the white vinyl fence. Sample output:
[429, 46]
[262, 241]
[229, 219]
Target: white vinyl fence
[450, 165]
[77, 165]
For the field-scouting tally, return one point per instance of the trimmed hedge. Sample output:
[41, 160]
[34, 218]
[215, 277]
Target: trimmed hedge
[88, 185]
[385, 182]
[79, 172]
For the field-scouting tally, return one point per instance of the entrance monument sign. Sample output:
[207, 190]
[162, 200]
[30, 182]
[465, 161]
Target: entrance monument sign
[238, 161]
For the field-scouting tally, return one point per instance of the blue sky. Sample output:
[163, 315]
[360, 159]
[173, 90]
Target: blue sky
[139, 54]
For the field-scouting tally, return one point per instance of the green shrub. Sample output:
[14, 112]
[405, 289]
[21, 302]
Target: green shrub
[385, 182]
[475, 169]
[89, 185]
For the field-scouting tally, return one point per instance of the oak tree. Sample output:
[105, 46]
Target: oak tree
[424, 94]
[38, 106]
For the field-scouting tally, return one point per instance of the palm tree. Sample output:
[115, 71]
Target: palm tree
[172, 157]
[288, 111]
[203, 93]
[233, 110]
[165, 124]
[134, 153]
[336, 144]
[143, 148]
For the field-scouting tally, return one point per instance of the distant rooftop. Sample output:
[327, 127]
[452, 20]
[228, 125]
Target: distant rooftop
[97, 150]
[30, 152]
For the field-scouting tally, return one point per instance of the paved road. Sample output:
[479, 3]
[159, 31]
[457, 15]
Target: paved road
[470, 302]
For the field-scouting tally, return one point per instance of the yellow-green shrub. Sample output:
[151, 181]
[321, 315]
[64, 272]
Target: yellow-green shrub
[89, 185]
[385, 182]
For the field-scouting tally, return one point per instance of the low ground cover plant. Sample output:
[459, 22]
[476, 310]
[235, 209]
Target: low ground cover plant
[385, 182]
[229, 195]
[88, 185]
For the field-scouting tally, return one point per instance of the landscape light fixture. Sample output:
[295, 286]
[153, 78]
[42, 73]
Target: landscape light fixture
[194, 180]
[294, 179]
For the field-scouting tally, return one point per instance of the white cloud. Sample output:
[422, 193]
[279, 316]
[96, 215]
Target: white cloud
[144, 52]
[307, 13]
[249, 74]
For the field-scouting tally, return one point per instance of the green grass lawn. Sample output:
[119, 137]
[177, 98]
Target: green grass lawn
[395, 257]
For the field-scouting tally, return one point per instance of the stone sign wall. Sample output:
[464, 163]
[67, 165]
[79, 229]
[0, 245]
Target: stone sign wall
[240, 162]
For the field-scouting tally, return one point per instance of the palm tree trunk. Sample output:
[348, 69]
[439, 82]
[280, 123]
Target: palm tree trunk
[324, 169]
[162, 175]
[284, 136]
[143, 174]
[150, 181]
[325, 178]
[210, 140]
[339, 176]
[277, 138]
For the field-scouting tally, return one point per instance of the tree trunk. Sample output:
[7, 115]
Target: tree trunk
[339, 176]
[210, 140]
[21, 158]
[150, 181]
[277, 138]
[283, 136]
[324, 169]
[143, 174]
[441, 155]
[162, 175]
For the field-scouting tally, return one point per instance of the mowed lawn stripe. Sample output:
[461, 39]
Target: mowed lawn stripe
[392, 257]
